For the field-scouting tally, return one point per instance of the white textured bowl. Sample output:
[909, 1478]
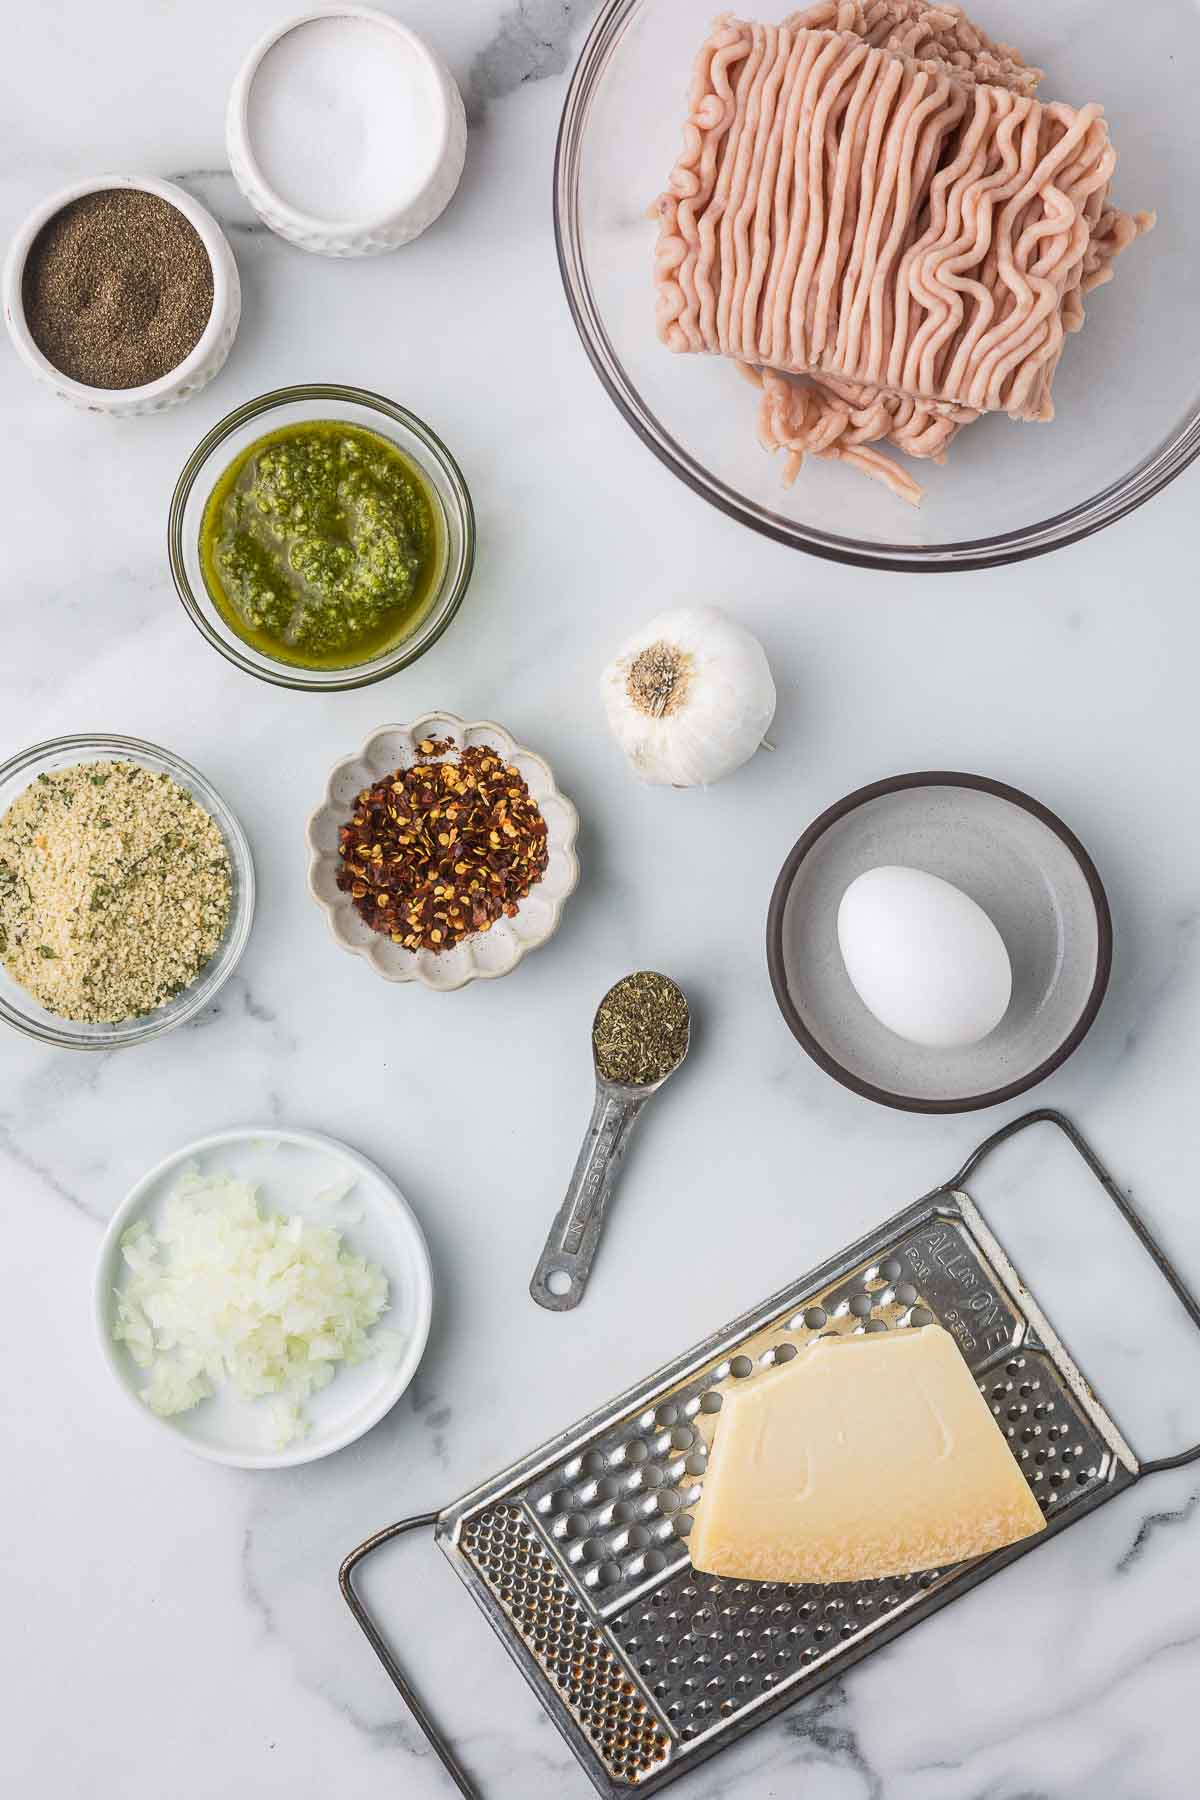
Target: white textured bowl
[203, 361]
[291, 1168]
[330, 237]
[488, 954]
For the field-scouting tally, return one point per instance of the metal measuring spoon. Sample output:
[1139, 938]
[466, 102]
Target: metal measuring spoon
[566, 1262]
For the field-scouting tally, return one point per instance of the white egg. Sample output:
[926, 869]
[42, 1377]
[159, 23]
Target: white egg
[924, 957]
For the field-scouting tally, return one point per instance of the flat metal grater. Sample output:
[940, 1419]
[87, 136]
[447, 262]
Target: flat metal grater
[577, 1555]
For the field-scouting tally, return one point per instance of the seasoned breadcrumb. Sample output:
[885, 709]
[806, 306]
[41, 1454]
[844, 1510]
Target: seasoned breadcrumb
[114, 890]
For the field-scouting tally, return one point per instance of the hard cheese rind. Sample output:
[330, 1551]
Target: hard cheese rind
[867, 1455]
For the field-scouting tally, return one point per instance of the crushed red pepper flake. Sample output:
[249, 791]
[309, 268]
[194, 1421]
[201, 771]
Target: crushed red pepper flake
[429, 888]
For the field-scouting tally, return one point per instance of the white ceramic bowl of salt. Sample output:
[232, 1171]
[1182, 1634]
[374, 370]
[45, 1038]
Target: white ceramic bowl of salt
[345, 131]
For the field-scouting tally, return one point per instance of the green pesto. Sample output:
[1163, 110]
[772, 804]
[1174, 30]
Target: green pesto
[321, 545]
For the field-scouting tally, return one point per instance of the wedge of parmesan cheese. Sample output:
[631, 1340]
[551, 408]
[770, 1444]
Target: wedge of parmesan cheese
[867, 1455]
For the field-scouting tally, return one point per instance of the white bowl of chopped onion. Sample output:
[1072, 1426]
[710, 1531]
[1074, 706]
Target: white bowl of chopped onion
[264, 1295]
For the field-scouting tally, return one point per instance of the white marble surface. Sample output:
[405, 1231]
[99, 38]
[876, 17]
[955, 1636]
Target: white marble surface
[171, 1627]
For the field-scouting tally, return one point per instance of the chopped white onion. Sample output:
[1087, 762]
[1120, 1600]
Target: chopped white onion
[272, 1303]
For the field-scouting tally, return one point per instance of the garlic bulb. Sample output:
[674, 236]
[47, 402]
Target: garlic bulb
[689, 697]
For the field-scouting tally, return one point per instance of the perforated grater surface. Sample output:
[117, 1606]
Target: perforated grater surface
[578, 1554]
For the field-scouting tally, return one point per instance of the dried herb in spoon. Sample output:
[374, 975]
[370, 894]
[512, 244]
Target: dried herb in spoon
[640, 1031]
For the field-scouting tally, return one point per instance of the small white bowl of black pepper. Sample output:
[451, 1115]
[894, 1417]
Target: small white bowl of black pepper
[121, 294]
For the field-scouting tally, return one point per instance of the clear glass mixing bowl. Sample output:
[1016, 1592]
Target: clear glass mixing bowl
[1127, 392]
[18, 1008]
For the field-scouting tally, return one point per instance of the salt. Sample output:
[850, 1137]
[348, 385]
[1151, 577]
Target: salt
[345, 119]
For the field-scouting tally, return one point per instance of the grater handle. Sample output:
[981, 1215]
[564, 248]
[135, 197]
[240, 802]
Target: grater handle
[562, 1273]
[1187, 1298]
[395, 1673]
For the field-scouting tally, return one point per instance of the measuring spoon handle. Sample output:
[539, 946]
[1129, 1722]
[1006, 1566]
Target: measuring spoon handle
[571, 1245]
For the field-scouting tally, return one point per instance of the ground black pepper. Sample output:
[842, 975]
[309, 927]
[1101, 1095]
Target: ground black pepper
[117, 288]
[640, 1032]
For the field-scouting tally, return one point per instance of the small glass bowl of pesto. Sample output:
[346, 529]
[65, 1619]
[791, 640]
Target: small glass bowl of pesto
[321, 537]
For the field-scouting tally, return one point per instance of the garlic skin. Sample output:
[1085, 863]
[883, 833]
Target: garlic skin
[689, 697]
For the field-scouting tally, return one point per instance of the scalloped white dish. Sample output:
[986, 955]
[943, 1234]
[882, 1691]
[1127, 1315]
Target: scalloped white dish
[485, 956]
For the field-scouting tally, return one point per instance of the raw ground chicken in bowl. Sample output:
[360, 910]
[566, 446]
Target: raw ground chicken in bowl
[1125, 390]
[878, 220]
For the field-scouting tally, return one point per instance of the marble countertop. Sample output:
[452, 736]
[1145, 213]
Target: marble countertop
[175, 1627]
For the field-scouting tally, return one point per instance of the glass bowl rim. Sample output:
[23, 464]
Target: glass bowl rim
[139, 1030]
[1115, 501]
[406, 652]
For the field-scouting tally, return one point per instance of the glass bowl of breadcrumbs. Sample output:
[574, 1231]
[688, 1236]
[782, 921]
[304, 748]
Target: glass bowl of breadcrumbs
[126, 892]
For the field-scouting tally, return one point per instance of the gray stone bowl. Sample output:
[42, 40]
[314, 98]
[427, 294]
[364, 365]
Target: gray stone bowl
[1020, 863]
